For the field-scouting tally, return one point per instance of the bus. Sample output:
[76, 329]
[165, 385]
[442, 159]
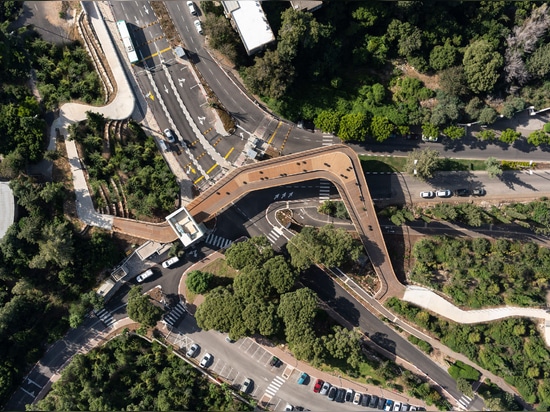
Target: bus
[127, 40]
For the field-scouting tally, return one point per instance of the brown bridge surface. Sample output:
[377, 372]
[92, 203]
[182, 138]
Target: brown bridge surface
[339, 164]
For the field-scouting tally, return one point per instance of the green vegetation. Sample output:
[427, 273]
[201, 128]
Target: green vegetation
[198, 282]
[395, 65]
[422, 344]
[422, 163]
[132, 171]
[141, 309]
[511, 348]
[460, 370]
[477, 273]
[129, 373]
[334, 208]
[399, 164]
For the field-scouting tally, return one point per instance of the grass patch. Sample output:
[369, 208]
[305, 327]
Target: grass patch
[220, 268]
[461, 370]
[382, 164]
[461, 164]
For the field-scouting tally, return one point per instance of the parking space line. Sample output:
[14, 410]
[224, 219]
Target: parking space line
[228, 153]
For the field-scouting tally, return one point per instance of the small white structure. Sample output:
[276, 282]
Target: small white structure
[249, 19]
[187, 230]
[7, 208]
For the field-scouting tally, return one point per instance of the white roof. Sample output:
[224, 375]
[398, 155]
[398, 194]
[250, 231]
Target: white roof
[252, 24]
[7, 208]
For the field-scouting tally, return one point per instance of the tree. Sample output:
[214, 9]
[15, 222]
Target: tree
[430, 131]
[464, 386]
[512, 106]
[140, 308]
[328, 121]
[453, 81]
[353, 126]
[198, 282]
[381, 128]
[425, 162]
[454, 132]
[509, 136]
[538, 64]
[252, 282]
[537, 138]
[270, 75]
[482, 64]
[343, 344]
[493, 167]
[56, 246]
[486, 134]
[281, 275]
[488, 115]
[251, 252]
[443, 57]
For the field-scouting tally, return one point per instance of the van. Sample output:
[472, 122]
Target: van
[163, 146]
[148, 273]
[192, 8]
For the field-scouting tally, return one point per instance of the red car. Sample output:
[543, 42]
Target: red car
[318, 385]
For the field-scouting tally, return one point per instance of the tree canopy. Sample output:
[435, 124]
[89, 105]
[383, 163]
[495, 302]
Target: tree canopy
[141, 309]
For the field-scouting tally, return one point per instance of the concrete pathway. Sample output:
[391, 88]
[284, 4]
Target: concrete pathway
[431, 301]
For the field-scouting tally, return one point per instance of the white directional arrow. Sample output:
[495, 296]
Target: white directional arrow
[201, 119]
[276, 196]
[166, 89]
[145, 8]
[181, 81]
[290, 194]
[283, 195]
[242, 136]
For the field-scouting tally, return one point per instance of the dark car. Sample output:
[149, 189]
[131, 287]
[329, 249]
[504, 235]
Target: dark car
[365, 400]
[373, 401]
[381, 403]
[275, 361]
[340, 395]
[349, 395]
[462, 192]
[306, 125]
[332, 393]
[479, 192]
[412, 136]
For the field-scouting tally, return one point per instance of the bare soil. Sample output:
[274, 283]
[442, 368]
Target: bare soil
[431, 82]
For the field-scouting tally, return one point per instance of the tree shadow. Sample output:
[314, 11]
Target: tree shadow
[382, 340]
[512, 179]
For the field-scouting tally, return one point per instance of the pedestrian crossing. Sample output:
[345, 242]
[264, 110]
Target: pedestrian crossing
[274, 386]
[217, 241]
[324, 191]
[105, 316]
[274, 235]
[464, 402]
[327, 140]
[177, 312]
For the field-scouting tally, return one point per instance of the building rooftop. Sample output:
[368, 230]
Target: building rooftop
[251, 23]
[187, 230]
[306, 5]
[7, 208]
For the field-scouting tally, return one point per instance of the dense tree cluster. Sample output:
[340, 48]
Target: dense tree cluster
[511, 348]
[141, 309]
[477, 273]
[129, 373]
[493, 55]
[149, 186]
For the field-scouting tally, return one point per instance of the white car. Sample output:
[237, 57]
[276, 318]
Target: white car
[192, 8]
[169, 135]
[198, 26]
[357, 398]
[427, 195]
[206, 360]
[443, 193]
[148, 273]
[193, 350]
[397, 406]
[247, 385]
[325, 388]
[172, 261]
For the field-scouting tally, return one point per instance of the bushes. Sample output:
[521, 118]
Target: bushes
[422, 344]
[461, 370]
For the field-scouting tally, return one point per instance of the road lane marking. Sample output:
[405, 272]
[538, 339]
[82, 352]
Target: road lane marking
[198, 180]
[228, 153]
[212, 168]
[275, 132]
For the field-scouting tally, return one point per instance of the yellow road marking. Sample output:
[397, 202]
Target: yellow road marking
[275, 132]
[198, 180]
[228, 153]
[156, 54]
[212, 168]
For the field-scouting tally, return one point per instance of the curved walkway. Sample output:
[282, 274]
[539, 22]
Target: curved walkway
[431, 301]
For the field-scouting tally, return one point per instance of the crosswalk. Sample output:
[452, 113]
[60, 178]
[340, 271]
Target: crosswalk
[464, 402]
[274, 235]
[324, 191]
[274, 386]
[175, 314]
[327, 140]
[217, 241]
[105, 316]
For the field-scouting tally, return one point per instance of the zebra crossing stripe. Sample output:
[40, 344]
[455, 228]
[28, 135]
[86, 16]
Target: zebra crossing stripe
[275, 385]
[273, 237]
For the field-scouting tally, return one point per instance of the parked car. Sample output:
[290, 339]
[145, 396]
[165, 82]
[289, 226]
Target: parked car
[357, 398]
[389, 405]
[397, 406]
[365, 400]
[340, 395]
[302, 379]
[275, 361]
[427, 195]
[373, 401]
[381, 403]
[229, 340]
[429, 138]
[443, 193]
[305, 125]
[147, 274]
[193, 350]
[349, 395]
[172, 261]
[462, 192]
[169, 135]
[318, 385]
[206, 360]
[412, 136]
[247, 385]
[198, 26]
[404, 407]
[289, 407]
[325, 388]
[192, 8]
[332, 393]
[479, 192]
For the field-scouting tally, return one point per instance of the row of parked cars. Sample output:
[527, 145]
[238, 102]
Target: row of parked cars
[336, 394]
[458, 192]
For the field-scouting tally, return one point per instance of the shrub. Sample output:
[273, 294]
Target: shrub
[461, 370]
